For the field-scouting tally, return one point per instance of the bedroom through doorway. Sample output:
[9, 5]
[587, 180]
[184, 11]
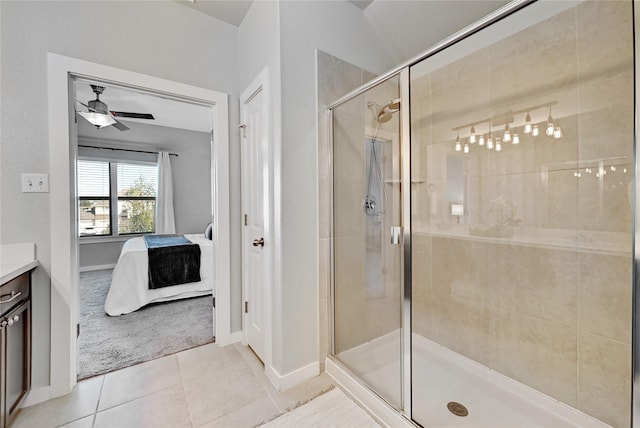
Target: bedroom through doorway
[126, 190]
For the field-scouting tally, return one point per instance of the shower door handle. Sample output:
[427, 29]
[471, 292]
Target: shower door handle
[396, 233]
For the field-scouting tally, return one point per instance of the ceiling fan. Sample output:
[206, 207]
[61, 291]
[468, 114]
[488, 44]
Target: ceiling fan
[99, 115]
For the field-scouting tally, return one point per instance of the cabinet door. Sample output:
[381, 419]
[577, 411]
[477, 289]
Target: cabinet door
[17, 365]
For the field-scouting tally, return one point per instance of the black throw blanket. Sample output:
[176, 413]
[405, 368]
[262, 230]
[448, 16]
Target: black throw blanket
[173, 260]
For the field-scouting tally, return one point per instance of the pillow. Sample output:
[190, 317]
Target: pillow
[208, 232]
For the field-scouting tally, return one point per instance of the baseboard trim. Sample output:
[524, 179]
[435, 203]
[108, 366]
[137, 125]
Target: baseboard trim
[381, 411]
[235, 337]
[36, 395]
[223, 339]
[97, 267]
[294, 378]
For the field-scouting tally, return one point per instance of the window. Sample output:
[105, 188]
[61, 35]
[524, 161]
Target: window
[137, 188]
[129, 187]
[94, 198]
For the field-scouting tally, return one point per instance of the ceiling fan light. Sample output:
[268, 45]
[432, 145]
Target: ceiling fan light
[98, 120]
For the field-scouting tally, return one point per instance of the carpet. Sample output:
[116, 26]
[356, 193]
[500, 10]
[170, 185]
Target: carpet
[111, 343]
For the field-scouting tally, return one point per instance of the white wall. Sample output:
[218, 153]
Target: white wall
[259, 47]
[198, 50]
[338, 28]
[284, 37]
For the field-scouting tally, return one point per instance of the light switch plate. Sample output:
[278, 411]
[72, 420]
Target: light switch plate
[35, 183]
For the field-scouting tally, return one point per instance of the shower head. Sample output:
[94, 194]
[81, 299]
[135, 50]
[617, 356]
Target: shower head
[385, 113]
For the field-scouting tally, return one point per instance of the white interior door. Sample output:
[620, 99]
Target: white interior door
[254, 138]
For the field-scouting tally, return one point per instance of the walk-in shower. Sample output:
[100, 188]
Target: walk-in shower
[482, 224]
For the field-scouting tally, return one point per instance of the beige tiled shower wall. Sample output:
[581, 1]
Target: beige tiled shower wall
[335, 79]
[545, 298]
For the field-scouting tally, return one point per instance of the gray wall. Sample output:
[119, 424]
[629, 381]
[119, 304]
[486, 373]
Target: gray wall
[162, 39]
[191, 171]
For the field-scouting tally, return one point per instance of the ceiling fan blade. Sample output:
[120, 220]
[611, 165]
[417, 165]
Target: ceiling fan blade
[120, 126]
[128, 115]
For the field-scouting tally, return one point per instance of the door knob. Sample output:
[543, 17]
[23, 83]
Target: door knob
[258, 242]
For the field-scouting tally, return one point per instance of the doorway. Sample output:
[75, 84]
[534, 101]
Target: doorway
[123, 192]
[63, 216]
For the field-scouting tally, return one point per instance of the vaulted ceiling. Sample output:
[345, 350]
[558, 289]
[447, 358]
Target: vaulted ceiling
[406, 27]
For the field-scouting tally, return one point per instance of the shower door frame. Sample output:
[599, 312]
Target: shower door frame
[405, 413]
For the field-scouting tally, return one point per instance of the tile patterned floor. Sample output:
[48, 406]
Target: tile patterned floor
[332, 409]
[207, 386]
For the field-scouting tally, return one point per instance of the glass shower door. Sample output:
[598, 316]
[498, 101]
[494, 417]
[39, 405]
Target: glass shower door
[367, 253]
[523, 148]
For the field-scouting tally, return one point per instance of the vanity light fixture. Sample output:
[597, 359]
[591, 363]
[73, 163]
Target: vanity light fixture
[466, 148]
[507, 134]
[514, 126]
[498, 145]
[550, 128]
[527, 124]
[490, 140]
[535, 131]
[557, 133]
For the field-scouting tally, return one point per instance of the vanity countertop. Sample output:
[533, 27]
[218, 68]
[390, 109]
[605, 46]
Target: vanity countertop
[16, 259]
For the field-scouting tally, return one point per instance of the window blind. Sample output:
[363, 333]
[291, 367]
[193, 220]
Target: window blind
[93, 178]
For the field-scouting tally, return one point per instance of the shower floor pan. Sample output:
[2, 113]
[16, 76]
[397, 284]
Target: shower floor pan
[442, 376]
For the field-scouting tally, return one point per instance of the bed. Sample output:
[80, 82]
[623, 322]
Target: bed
[129, 289]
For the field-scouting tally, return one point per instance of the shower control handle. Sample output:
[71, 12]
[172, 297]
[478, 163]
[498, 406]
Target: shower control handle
[396, 233]
[258, 242]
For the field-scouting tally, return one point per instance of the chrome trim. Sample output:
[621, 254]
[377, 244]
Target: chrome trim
[335, 360]
[405, 168]
[332, 278]
[635, 327]
[467, 31]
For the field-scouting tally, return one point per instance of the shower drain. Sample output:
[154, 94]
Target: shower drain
[457, 409]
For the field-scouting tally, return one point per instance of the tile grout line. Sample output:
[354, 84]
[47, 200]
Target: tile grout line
[260, 380]
[184, 393]
[95, 414]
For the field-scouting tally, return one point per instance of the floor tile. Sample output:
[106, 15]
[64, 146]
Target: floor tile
[166, 408]
[222, 387]
[137, 381]
[80, 423]
[81, 402]
[251, 415]
[332, 409]
[193, 362]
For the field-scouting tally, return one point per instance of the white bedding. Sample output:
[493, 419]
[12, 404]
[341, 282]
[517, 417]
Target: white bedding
[130, 282]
